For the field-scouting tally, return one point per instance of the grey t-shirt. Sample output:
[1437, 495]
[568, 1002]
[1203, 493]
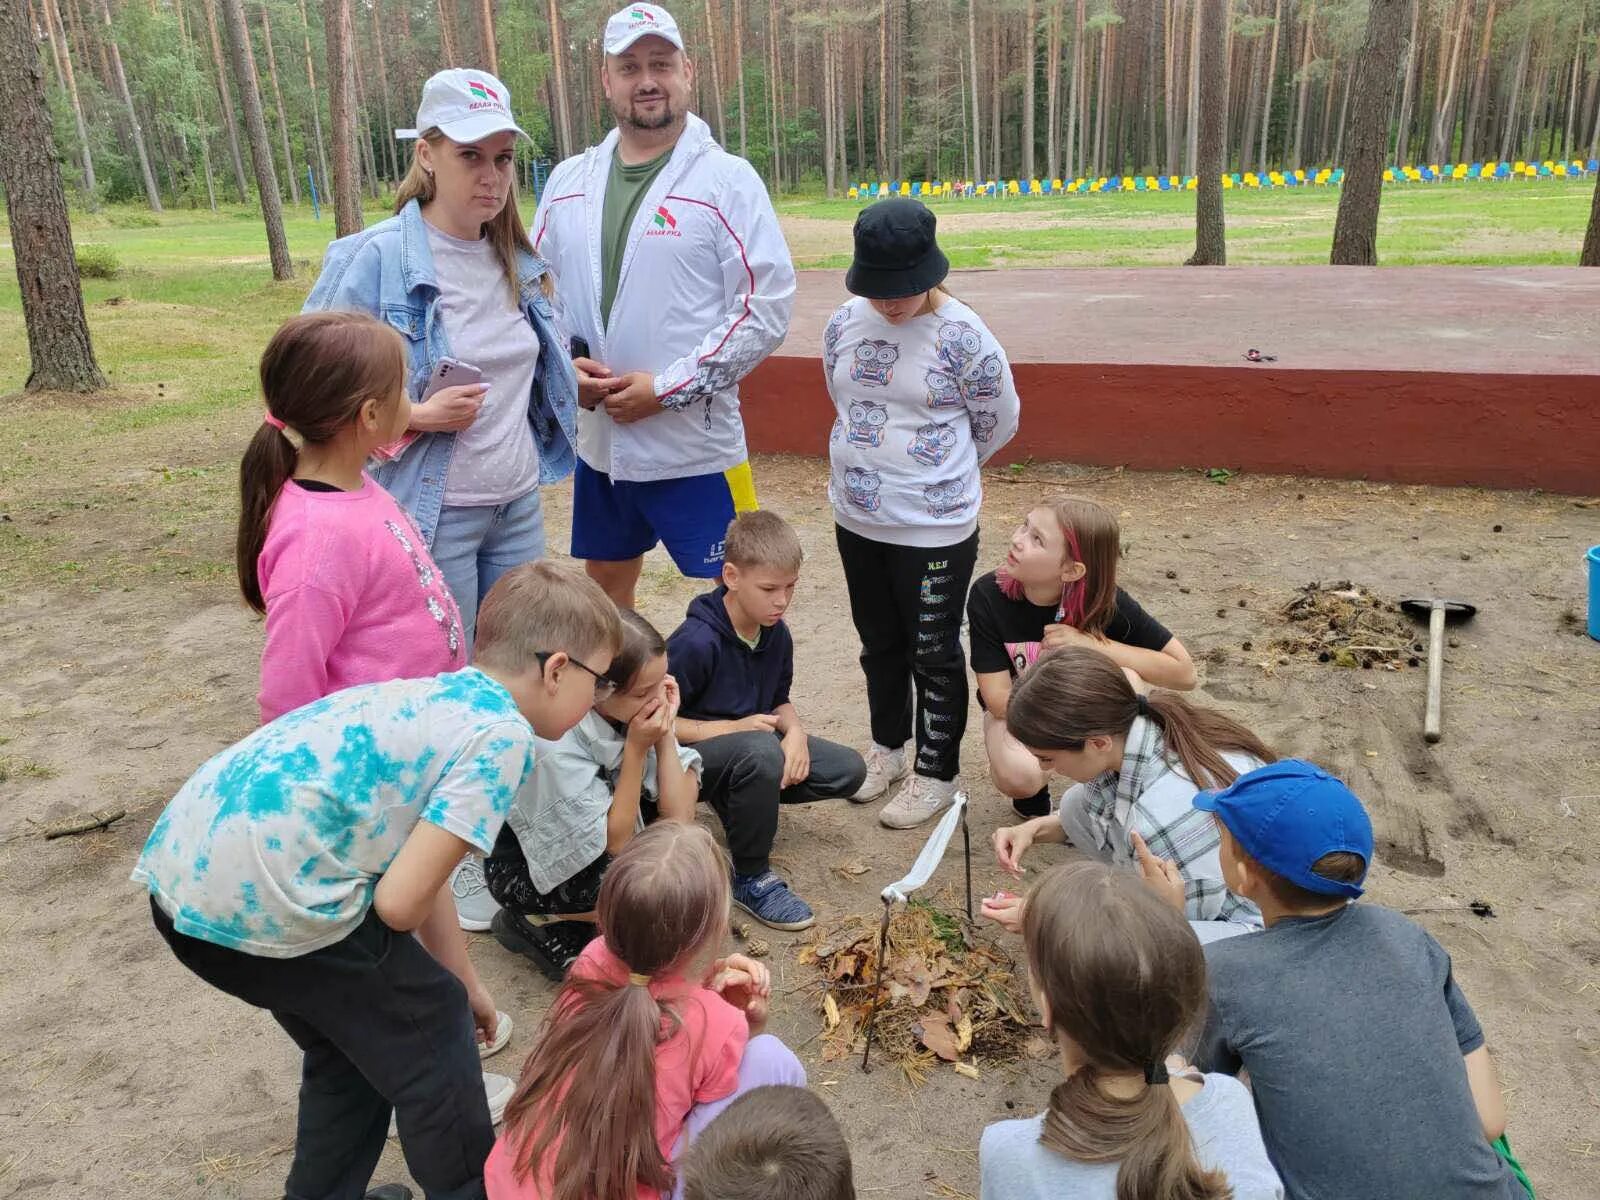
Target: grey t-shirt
[1353, 1032]
[1013, 1165]
[495, 459]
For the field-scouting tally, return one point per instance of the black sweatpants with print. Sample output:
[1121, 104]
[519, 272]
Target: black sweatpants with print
[383, 1027]
[906, 602]
[506, 873]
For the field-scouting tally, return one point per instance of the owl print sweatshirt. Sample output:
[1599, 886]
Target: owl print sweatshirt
[922, 405]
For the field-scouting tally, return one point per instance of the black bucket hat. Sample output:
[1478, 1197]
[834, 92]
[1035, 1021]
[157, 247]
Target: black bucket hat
[896, 254]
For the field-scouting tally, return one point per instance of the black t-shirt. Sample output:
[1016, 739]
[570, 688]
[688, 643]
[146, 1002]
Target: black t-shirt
[1005, 634]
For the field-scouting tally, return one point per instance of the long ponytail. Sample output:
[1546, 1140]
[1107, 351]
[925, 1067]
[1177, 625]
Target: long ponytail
[316, 373]
[590, 1083]
[1075, 693]
[1124, 981]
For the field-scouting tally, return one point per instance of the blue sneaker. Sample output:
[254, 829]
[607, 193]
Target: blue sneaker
[767, 898]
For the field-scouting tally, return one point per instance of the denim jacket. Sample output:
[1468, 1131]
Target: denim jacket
[387, 270]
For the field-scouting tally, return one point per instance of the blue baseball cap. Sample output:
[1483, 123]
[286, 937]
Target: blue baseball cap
[1288, 815]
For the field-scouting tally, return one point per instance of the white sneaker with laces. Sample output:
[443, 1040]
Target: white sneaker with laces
[919, 801]
[475, 908]
[885, 768]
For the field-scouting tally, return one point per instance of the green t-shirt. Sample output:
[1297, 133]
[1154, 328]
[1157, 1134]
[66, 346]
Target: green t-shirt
[625, 187]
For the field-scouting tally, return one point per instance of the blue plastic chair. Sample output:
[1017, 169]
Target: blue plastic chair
[1164, 184]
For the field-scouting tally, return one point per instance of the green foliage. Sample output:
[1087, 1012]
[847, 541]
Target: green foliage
[98, 262]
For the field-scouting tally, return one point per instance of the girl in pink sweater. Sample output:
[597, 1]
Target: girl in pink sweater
[349, 591]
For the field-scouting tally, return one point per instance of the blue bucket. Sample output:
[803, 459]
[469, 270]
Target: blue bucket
[1594, 592]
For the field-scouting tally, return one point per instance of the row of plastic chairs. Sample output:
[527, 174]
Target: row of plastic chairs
[1325, 177]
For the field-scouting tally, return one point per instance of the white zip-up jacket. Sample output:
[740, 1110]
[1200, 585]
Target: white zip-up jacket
[704, 294]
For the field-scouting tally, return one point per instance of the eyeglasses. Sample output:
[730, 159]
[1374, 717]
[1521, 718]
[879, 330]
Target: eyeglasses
[604, 686]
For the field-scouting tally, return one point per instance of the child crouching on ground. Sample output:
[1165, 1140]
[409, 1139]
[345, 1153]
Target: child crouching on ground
[775, 1143]
[291, 869]
[1367, 1065]
[1120, 981]
[650, 1024]
[589, 793]
[733, 659]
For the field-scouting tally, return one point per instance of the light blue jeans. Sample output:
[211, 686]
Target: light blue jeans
[476, 544]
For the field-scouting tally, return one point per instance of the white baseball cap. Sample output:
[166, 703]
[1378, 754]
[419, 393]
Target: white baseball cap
[640, 20]
[466, 105]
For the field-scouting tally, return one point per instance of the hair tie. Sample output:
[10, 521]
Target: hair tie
[1156, 1074]
[636, 979]
[1143, 702]
[276, 422]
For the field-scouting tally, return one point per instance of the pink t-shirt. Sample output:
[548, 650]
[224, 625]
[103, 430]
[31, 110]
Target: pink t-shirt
[352, 597]
[697, 1064]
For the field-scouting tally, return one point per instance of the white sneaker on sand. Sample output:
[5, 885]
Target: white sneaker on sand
[920, 800]
[497, 1090]
[475, 908]
[885, 768]
[502, 1035]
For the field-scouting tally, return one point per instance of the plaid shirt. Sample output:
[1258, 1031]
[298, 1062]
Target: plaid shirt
[1153, 795]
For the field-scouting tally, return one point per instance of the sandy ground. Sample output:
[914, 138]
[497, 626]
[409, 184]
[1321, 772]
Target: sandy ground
[123, 1076]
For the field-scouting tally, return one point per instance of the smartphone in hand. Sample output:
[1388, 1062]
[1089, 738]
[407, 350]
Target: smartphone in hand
[451, 372]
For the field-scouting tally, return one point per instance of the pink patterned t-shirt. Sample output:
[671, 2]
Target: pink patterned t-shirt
[352, 597]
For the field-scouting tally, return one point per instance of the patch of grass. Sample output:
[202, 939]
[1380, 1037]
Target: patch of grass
[97, 262]
[12, 767]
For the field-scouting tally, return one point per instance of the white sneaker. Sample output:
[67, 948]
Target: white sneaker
[920, 800]
[497, 1090]
[475, 908]
[502, 1035]
[885, 768]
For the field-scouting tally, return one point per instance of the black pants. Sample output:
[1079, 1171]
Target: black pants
[383, 1026]
[739, 778]
[506, 873]
[906, 602]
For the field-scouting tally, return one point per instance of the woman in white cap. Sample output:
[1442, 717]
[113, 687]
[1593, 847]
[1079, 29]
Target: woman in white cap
[453, 271]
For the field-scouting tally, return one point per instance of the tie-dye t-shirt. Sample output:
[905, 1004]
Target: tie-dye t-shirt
[274, 846]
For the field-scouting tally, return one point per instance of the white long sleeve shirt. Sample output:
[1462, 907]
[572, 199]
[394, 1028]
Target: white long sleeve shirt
[922, 406]
[704, 294]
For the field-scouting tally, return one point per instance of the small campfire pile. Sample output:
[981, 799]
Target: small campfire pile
[947, 996]
[1348, 626]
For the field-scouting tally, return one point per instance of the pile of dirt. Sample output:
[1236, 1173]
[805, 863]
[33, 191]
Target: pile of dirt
[1345, 624]
[947, 995]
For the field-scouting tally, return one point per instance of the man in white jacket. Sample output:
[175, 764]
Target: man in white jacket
[674, 281]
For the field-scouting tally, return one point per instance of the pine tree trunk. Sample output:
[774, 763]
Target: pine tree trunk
[738, 65]
[1328, 90]
[255, 124]
[1572, 97]
[1272, 80]
[1508, 133]
[1355, 230]
[1306, 56]
[1211, 248]
[59, 350]
[828, 107]
[187, 49]
[996, 141]
[1590, 257]
[1030, 63]
[1443, 139]
[1191, 156]
[447, 36]
[716, 73]
[1402, 138]
[52, 16]
[342, 116]
[1252, 105]
[491, 53]
[277, 99]
[225, 96]
[977, 109]
[316, 105]
[1074, 157]
[152, 193]
[1344, 116]
[364, 156]
[774, 115]
[1469, 136]
[390, 154]
[558, 66]
[1052, 92]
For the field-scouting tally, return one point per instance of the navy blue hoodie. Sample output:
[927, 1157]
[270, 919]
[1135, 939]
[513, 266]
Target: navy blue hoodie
[719, 676]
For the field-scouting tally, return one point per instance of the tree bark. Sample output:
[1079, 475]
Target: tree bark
[1030, 37]
[151, 191]
[716, 73]
[1509, 133]
[977, 109]
[60, 354]
[225, 97]
[1402, 137]
[316, 105]
[342, 116]
[1306, 56]
[447, 36]
[1191, 153]
[828, 106]
[1211, 248]
[1443, 139]
[1590, 257]
[491, 53]
[52, 16]
[1355, 230]
[1252, 105]
[774, 115]
[389, 153]
[738, 65]
[1469, 136]
[996, 141]
[1052, 92]
[187, 49]
[255, 124]
[1572, 98]
[1075, 99]
[277, 99]
[1272, 79]
[558, 60]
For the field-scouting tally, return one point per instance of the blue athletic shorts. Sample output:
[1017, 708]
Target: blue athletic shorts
[613, 521]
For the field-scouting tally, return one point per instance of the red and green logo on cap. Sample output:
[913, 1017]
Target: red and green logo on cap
[642, 14]
[664, 219]
[481, 91]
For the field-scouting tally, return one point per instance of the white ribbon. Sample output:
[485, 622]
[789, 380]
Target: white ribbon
[932, 853]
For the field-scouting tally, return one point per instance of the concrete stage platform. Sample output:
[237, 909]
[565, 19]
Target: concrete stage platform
[1441, 375]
